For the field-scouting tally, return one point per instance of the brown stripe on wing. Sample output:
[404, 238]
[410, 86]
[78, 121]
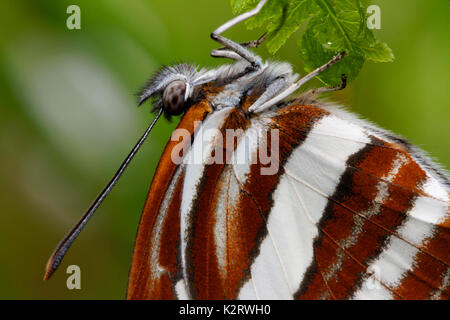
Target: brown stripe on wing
[370, 202]
[204, 278]
[428, 279]
[256, 196]
[143, 276]
[246, 218]
[169, 253]
[314, 285]
[161, 285]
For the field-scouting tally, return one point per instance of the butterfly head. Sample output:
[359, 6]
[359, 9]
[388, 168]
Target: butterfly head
[173, 98]
[172, 89]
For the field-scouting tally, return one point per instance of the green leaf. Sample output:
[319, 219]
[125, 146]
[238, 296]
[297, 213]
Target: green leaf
[380, 52]
[298, 12]
[330, 26]
[240, 5]
[314, 54]
[271, 16]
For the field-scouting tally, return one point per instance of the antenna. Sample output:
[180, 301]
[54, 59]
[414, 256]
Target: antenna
[58, 254]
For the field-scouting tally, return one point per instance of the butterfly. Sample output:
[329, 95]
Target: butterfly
[261, 196]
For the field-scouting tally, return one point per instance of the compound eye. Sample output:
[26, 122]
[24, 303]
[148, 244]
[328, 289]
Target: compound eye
[173, 97]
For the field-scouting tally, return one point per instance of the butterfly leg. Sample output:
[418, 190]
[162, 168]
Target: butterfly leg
[296, 85]
[226, 53]
[277, 86]
[223, 52]
[342, 85]
[310, 95]
[235, 50]
[254, 43]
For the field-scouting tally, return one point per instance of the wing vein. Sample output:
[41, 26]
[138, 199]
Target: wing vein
[270, 236]
[364, 217]
[302, 204]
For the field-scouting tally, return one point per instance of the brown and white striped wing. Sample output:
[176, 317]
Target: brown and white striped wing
[349, 214]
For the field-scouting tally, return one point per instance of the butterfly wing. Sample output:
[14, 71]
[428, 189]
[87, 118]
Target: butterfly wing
[155, 267]
[356, 215]
[341, 211]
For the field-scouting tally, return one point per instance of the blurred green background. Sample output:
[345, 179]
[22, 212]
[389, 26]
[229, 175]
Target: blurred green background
[68, 117]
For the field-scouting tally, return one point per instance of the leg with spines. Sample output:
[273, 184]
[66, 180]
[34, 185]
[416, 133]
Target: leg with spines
[296, 85]
[235, 49]
[224, 52]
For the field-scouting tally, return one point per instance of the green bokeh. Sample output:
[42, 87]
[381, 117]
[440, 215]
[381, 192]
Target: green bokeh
[68, 118]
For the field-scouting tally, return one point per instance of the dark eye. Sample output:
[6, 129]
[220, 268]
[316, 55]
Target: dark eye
[173, 97]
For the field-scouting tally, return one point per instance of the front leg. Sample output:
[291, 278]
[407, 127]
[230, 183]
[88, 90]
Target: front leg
[296, 85]
[235, 49]
[224, 52]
